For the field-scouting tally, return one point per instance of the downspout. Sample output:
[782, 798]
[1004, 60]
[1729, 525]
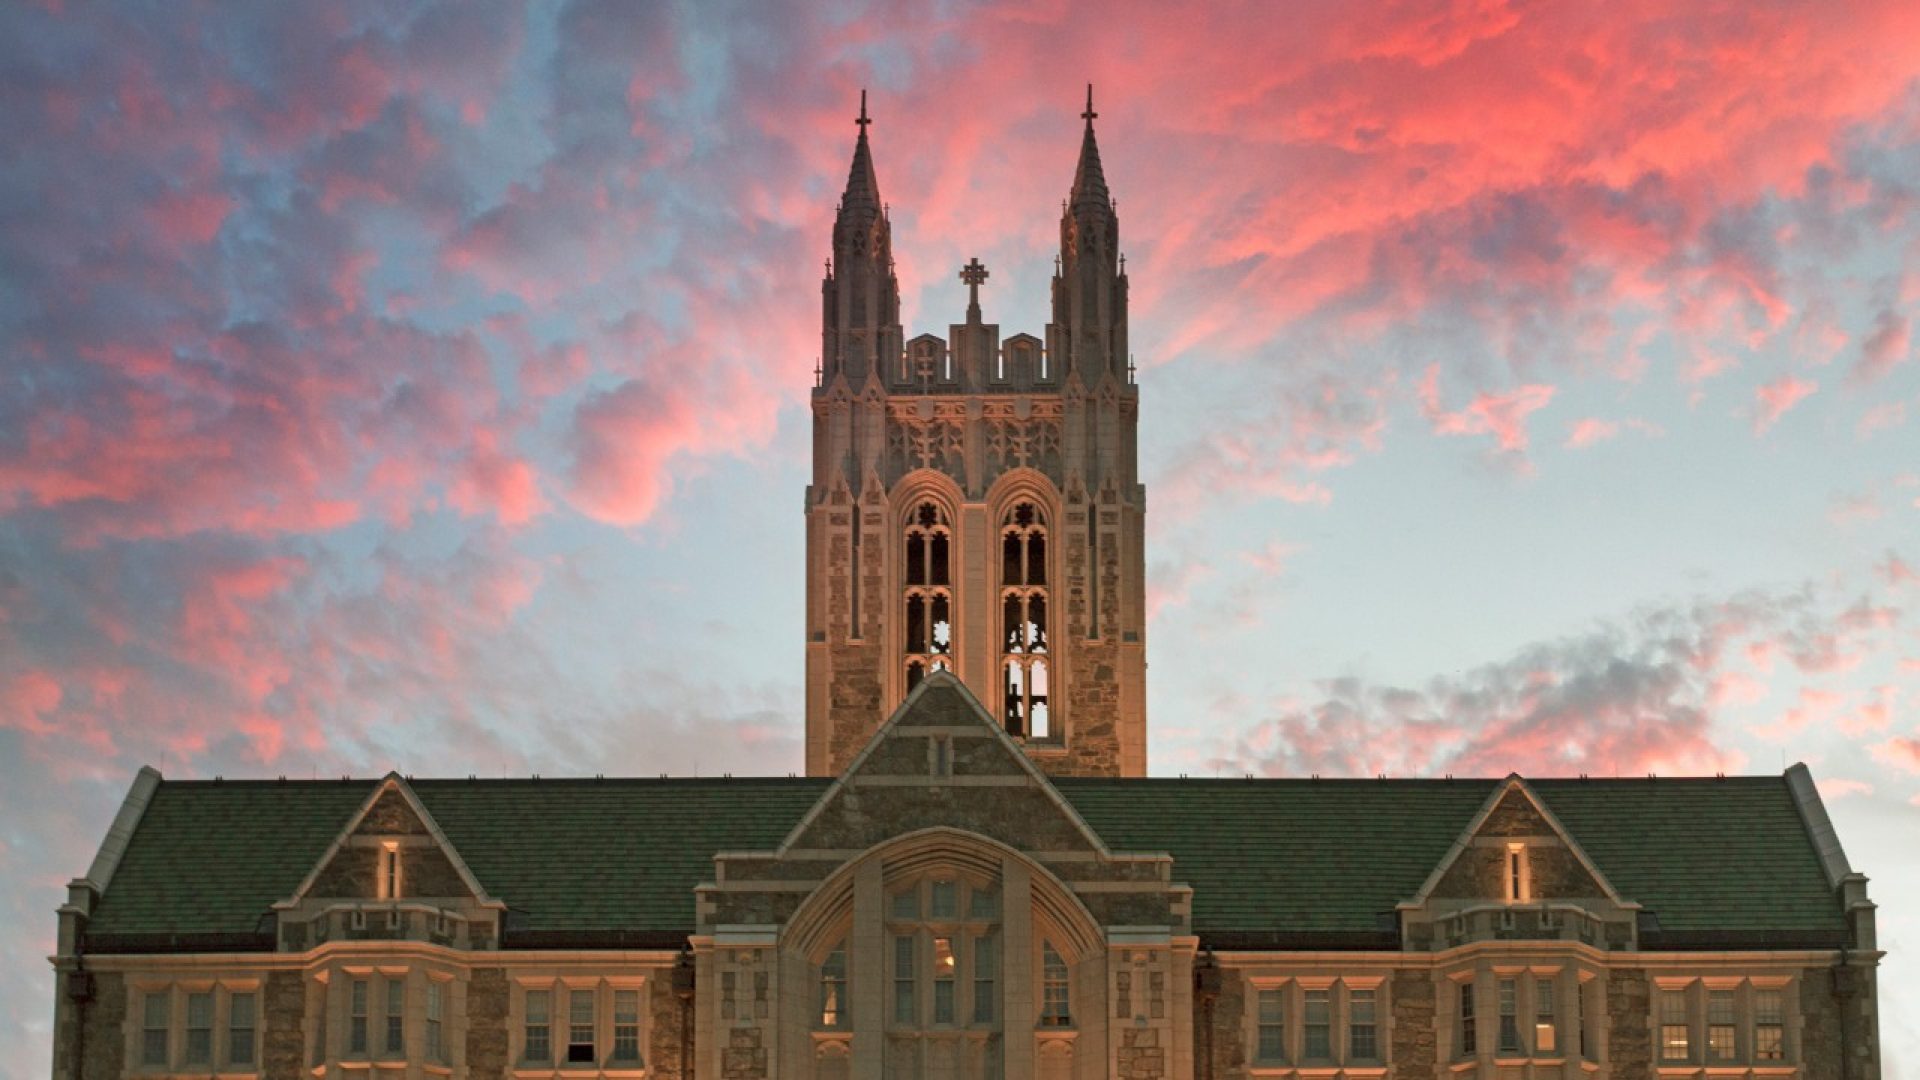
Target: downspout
[1843, 997]
[1206, 990]
[683, 988]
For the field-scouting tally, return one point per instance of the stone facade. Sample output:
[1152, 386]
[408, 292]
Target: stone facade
[943, 909]
[973, 427]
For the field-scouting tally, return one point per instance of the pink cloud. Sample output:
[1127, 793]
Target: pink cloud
[1840, 787]
[1773, 400]
[1501, 415]
[1900, 753]
[1882, 417]
[1888, 345]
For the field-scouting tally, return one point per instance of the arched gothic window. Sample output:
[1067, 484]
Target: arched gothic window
[1023, 622]
[942, 970]
[928, 595]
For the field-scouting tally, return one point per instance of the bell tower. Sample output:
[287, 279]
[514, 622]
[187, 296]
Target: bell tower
[975, 503]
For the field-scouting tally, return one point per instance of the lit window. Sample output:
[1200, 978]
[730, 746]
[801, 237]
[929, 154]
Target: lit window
[396, 1016]
[1469, 1030]
[1272, 1025]
[946, 969]
[539, 1036]
[1318, 1031]
[626, 1026]
[156, 1022]
[1023, 623]
[200, 1027]
[436, 1017]
[983, 966]
[390, 870]
[1546, 1033]
[1363, 1041]
[1509, 1017]
[1720, 1025]
[1674, 1041]
[241, 1028]
[1769, 1025]
[833, 989]
[580, 1027]
[357, 1017]
[903, 1010]
[1518, 887]
[1055, 1005]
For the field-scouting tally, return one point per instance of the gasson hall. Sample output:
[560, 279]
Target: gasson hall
[975, 878]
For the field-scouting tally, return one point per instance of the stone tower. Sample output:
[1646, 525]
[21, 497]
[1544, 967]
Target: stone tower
[975, 503]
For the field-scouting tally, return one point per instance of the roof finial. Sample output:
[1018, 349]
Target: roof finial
[863, 120]
[1089, 114]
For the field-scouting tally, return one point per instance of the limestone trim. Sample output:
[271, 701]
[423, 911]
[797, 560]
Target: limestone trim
[1813, 814]
[1469, 835]
[941, 679]
[395, 783]
[114, 845]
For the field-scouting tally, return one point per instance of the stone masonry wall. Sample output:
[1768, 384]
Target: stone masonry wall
[1141, 1057]
[664, 1013]
[1415, 1039]
[103, 1047]
[1225, 1041]
[1629, 1032]
[283, 1036]
[487, 1043]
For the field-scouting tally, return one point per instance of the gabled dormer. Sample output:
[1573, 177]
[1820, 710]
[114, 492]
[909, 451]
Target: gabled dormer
[391, 875]
[1515, 872]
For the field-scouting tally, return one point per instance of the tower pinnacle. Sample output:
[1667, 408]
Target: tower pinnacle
[1089, 180]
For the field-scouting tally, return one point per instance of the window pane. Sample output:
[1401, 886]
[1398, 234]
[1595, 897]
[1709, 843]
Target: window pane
[396, 1016]
[580, 1026]
[240, 1027]
[1318, 1015]
[1469, 1027]
[157, 1009]
[1037, 558]
[946, 899]
[626, 1025]
[1272, 1023]
[916, 559]
[939, 549]
[833, 989]
[1055, 1009]
[357, 1017]
[903, 1011]
[1509, 1017]
[539, 1042]
[983, 971]
[1363, 1033]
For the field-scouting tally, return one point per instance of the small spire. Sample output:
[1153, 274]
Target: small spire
[1089, 181]
[863, 186]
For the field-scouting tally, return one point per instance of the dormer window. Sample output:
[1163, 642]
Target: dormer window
[390, 870]
[1518, 875]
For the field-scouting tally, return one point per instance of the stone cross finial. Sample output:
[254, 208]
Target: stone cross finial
[973, 274]
[862, 120]
[1089, 116]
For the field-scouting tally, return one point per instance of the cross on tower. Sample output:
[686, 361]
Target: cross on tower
[973, 274]
[1089, 116]
[862, 119]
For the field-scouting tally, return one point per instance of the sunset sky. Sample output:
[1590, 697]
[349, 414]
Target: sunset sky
[1524, 386]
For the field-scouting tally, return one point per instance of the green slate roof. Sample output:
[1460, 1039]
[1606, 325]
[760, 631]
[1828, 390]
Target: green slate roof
[1262, 856]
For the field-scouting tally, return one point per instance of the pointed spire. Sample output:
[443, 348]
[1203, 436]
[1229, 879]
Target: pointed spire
[863, 185]
[1089, 180]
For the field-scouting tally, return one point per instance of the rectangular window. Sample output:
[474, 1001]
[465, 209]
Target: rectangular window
[1720, 1025]
[1363, 1039]
[833, 990]
[436, 1017]
[984, 954]
[903, 1011]
[1769, 1026]
[155, 1024]
[539, 1040]
[357, 1017]
[390, 872]
[1580, 1018]
[1517, 891]
[1509, 1016]
[396, 1016]
[626, 1026]
[946, 899]
[946, 969]
[1318, 1015]
[580, 1027]
[241, 1025]
[1546, 1032]
[1469, 1027]
[200, 1027]
[906, 905]
[981, 903]
[1272, 1021]
[1055, 1006]
[1674, 1043]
